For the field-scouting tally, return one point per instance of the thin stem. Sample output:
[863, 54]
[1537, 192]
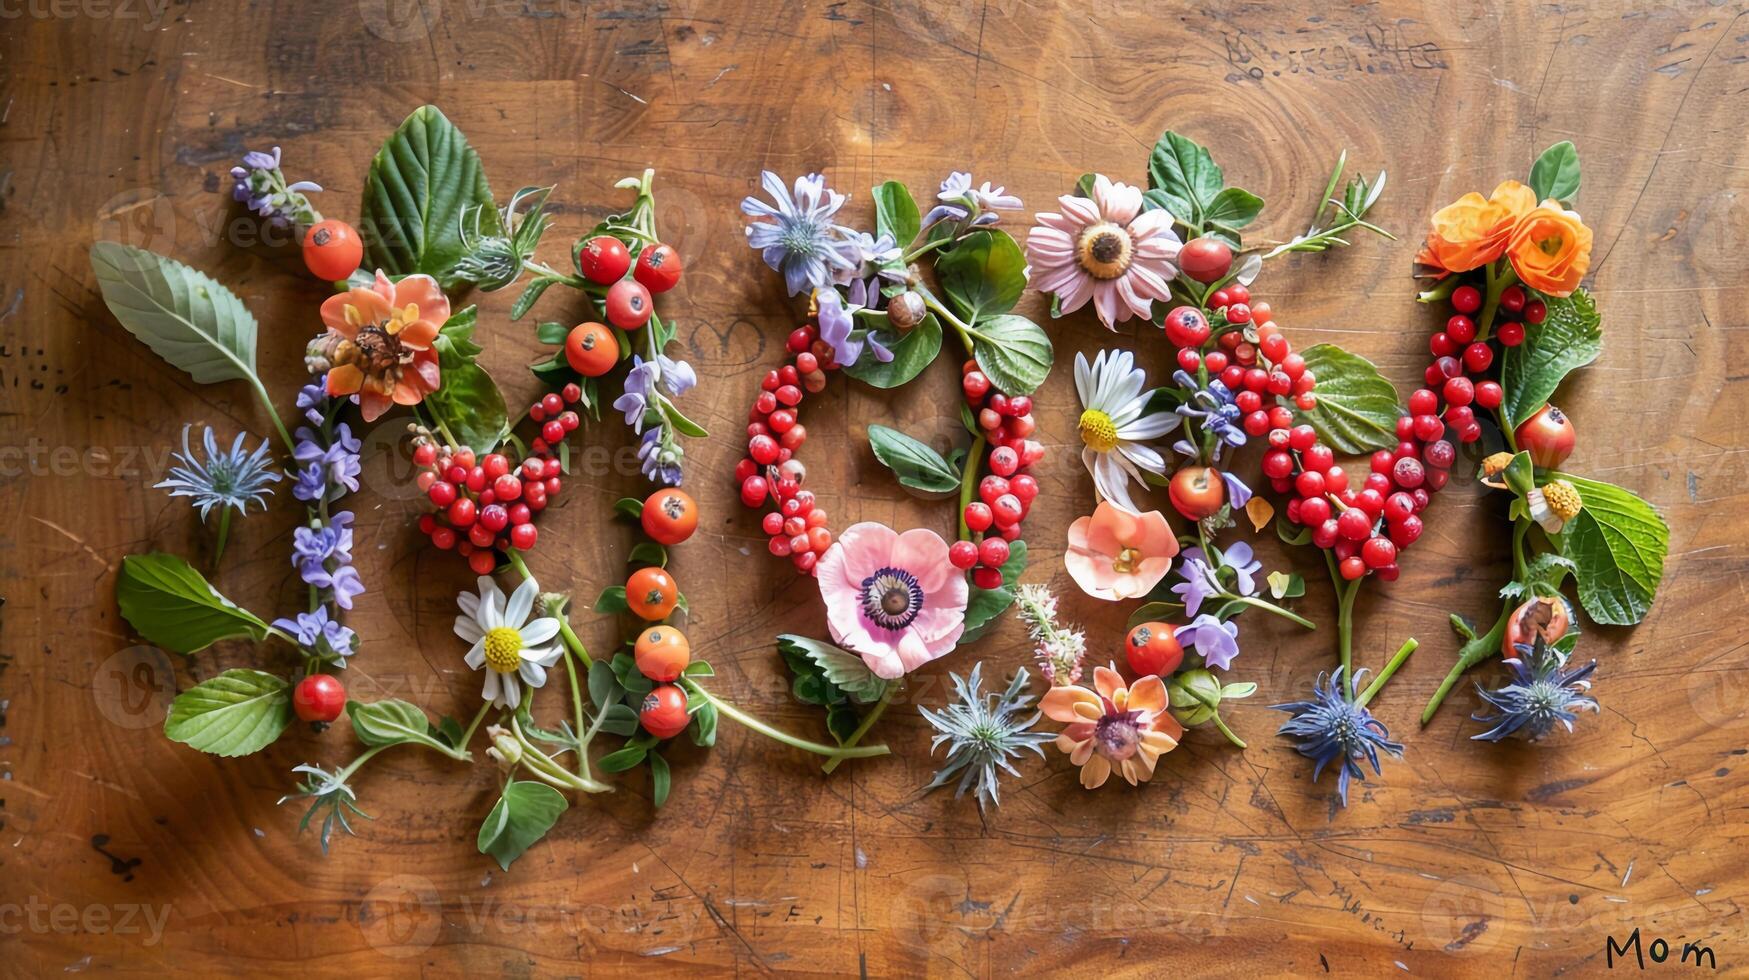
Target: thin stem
[868, 720]
[964, 329]
[724, 707]
[1472, 653]
[1222, 725]
[575, 282]
[1519, 528]
[272, 413]
[576, 646]
[1268, 606]
[224, 534]
[924, 249]
[1345, 626]
[1500, 275]
[968, 480]
[473, 726]
[1397, 660]
[548, 769]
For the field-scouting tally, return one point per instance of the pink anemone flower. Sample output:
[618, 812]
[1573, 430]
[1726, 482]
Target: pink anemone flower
[1104, 248]
[1116, 554]
[893, 598]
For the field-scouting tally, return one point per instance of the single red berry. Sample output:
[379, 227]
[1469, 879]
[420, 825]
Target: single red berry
[1409, 473]
[1314, 511]
[1512, 299]
[1354, 524]
[1466, 299]
[1477, 357]
[754, 490]
[1186, 327]
[1510, 334]
[658, 267]
[523, 536]
[963, 555]
[1535, 312]
[1460, 328]
[319, 697]
[604, 259]
[1442, 345]
[1189, 359]
[1352, 567]
[1460, 391]
[993, 552]
[1008, 510]
[1240, 313]
[1378, 552]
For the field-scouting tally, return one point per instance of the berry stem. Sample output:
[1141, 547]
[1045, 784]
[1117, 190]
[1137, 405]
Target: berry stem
[868, 720]
[1397, 660]
[776, 734]
[1500, 275]
[968, 481]
[1469, 655]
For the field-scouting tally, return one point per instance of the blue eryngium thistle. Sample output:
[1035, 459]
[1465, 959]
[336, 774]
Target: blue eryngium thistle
[1333, 727]
[1542, 692]
[233, 478]
[983, 732]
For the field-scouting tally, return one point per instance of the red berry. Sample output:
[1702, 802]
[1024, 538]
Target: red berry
[1398, 506]
[319, 697]
[1314, 511]
[763, 449]
[483, 561]
[1423, 401]
[523, 536]
[1378, 552]
[1352, 567]
[1189, 359]
[1466, 299]
[604, 259]
[1205, 259]
[1408, 473]
[985, 577]
[1004, 461]
[1477, 357]
[461, 513]
[1489, 394]
[1512, 299]
[1405, 531]
[506, 487]
[1240, 313]
[1325, 534]
[975, 384]
[978, 516]
[1186, 326]
[494, 517]
[1460, 329]
[963, 555]
[1277, 464]
[443, 537]
[1025, 487]
[1459, 391]
[991, 487]
[1354, 524]
[993, 552]
[628, 304]
[1440, 454]
[754, 490]
[1007, 510]
[658, 268]
[553, 432]
[1510, 334]
[1442, 345]
[1535, 312]
[442, 493]
[1309, 483]
[1318, 458]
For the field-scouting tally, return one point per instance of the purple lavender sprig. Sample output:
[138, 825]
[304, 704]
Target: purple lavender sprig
[260, 185]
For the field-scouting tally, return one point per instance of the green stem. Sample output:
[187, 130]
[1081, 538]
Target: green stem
[575, 282]
[831, 752]
[1397, 660]
[1268, 606]
[548, 769]
[1472, 653]
[868, 720]
[964, 328]
[473, 726]
[923, 249]
[575, 645]
[224, 534]
[272, 413]
[1520, 527]
[1345, 626]
[1500, 275]
[1222, 725]
[968, 480]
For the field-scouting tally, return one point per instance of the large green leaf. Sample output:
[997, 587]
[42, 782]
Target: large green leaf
[235, 713]
[843, 669]
[1569, 339]
[173, 606]
[523, 815]
[1185, 175]
[1556, 173]
[1014, 352]
[1618, 543]
[896, 213]
[1357, 407]
[421, 182]
[185, 317]
[911, 353]
[916, 465]
[467, 401]
[983, 275]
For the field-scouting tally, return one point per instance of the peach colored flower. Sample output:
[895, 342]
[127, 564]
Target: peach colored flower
[893, 598]
[1551, 249]
[1472, 231]
[378, 344]
[1116, 554]
[1113, 726]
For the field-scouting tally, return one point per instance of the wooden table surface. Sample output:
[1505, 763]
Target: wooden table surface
[122, 851]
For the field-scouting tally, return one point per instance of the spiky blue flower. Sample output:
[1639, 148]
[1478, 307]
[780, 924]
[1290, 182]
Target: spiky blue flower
[1542, 693]
[800, 240]
[1333, 727]
[983, 732]
[233, 478]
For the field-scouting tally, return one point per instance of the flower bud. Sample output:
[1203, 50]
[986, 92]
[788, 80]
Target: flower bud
[505, 750]
[905, 311]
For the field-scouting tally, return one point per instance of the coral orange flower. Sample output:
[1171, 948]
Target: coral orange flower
[1116, 554]
[1551, 249]
[1471, 231]
[378, 345]
[1122, 728]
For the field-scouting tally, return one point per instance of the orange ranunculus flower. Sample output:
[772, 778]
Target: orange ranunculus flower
[1471, 231]
[1551, 249]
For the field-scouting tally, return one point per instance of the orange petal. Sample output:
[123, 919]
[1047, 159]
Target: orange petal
[1095, 772]
[1060, 703]
[1109, 683]
[407, 394]
[1147, 694]
[373, 404]
[346, 379]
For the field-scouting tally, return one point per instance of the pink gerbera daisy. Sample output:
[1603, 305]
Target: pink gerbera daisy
[893, 598]
[1105, 248]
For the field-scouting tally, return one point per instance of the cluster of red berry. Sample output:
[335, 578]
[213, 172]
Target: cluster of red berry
[605, 259]
[488, 504]
[1006, 495]
[1461, 359]
[770, 473]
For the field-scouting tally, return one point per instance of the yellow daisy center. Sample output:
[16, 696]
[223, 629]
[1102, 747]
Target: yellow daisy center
[1104, 250]
[1098, 431]
[503, 649]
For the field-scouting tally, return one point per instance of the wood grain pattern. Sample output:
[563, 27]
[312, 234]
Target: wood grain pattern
[120, 121]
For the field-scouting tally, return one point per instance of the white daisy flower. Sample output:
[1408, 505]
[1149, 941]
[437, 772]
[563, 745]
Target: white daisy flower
[514, 650]
[1113, 426]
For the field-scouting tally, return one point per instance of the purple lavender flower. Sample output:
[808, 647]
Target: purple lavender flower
[959, 200]
[314, 547]
[322, 636]
[800, 241]
[640, 391]
[677, 376]
[870, 256]
[1217, 642]
[260, 185]
[838, 324]
[346, 584]
[326, 466]
[1204, 579]
[659, 457]
[1214, 406]
[313, 400]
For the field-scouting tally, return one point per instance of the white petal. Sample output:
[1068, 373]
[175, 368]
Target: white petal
[491, 691]
[1149, 426]
[512, 690]
[533, 674]
[539, 632]
[1142, 456]
[521, 603]
[469, 603]
[1083, 380]
[476, 657]
[467, 629]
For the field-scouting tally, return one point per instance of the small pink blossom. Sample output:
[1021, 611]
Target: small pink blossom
[893, 598]
[1116, 554]
[1104, 248]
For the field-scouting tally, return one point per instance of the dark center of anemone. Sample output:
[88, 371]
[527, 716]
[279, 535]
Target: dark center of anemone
[891, 598]
[1118, 735]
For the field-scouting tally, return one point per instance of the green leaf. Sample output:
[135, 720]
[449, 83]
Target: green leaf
[912, 352]
[1154, 612]
[843, 669]
[235, 713]
[174, 607]
[620, 720]
[1015, 353]
[530, 294]
[1357, 407]
[421, 181]
[985, 605]
[916, 465]
[522, 816]
[983, 276]
[648, 553]
[896, 212]
[1186, 175]
[1618, 543]
[626, 759]
[660, 779]
[628, 508]
[704, 726]
[1234, 208]
[612, 600]
[470, 405]
[1569, 339]
[551, 333]
[1556, 173]
[189, 320]
[390, 722]
[604, 688]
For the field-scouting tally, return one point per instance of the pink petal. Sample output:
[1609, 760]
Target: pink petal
[867, 548]
[1121, 203]
[1073, 295]
[1081, 210]
[1091, 572]
[1105, 303]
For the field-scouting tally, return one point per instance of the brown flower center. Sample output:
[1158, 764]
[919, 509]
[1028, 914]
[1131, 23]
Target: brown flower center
[1104, 250]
